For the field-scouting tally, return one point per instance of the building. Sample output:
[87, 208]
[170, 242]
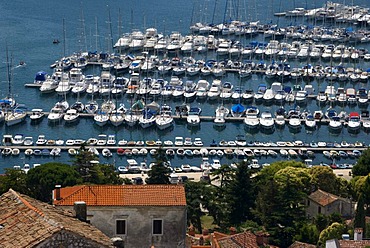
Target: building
[26, 222]
[142, 215]
[245, 239]
[321, 202]
[345, 242]
[298, 244]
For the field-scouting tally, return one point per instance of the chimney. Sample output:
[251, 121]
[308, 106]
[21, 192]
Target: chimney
[232, 230]
[262, 238]
[80, 210]
[358, 234]
[57, 192]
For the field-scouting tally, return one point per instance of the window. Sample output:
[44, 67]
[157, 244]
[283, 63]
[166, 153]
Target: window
[319, 210]
[121, 227]
[157, 227]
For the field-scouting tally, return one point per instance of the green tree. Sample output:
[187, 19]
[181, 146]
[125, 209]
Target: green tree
[14, 179]
[83, 165]
[160, 172]
[42, 179]
[195, 200]
[334, 231]
[323, 177]
[321, 222]
[308, 233]
[240, 195]
[268, 172]
[360, 215]
[104, 174]
[362, 167]
[280, 201]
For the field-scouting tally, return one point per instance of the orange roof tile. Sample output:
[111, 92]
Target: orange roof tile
[323, 198]
[26, 222]
[123, 195]
[298, 244]
[354, 243]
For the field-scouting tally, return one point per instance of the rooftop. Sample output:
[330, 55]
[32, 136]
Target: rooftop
[123, 195]
[323, 198]
[26, 222]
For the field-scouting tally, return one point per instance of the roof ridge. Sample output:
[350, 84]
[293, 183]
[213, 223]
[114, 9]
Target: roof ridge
[79, 188]
[27, 204]
[36, 210]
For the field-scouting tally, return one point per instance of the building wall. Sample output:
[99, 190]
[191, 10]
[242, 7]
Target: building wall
[70, 240]
[139, 224]
[342, 207]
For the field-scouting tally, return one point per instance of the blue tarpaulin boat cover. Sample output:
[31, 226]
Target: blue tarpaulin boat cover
[238, 108]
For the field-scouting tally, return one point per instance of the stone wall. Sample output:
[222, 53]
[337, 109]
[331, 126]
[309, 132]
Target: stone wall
[139, 224]
[70, 240]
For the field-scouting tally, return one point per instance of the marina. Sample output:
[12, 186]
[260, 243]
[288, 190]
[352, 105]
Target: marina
[268, 83]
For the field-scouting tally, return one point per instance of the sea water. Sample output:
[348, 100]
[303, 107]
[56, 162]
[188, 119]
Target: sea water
[28, 29]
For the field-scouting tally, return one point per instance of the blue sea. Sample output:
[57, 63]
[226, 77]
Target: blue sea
[28, 29]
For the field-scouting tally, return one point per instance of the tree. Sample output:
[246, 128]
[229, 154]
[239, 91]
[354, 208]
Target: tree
[194, 201]
[82, 163]
[240, 195]
[104, 174]
[14, 179]
[268, 172]
[42, 179]
[279, 203]
[160, 172]
[334, 231]
[362, 167]
[308, 233]
[360, 215]
[323, 177]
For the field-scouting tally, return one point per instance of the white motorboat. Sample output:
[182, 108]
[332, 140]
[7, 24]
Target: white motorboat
[41, 140]
[335, 124]
[71, 116]
[294, 122]
[215, 90]
[216, 164]
[37, 115]
[310, 122]
[251, 121]
[49, 85]
[56, 114]
[266, 121]
[18, 139]
[193, 118]
[354, 123]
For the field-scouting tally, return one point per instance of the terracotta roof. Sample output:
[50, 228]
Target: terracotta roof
[354, 243]
[323, 198]
[298, 244]
[123, 195]
[240, 240]
[26, 222]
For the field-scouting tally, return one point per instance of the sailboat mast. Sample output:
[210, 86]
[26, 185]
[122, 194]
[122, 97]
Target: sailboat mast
[64, 38]
[9, 78]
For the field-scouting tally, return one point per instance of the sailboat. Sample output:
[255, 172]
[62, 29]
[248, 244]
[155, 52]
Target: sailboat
[15, 115]
[165, 119]
[9, 101]
[134, 113]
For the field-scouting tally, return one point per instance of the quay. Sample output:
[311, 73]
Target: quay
[156, 147]
[322, 121]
